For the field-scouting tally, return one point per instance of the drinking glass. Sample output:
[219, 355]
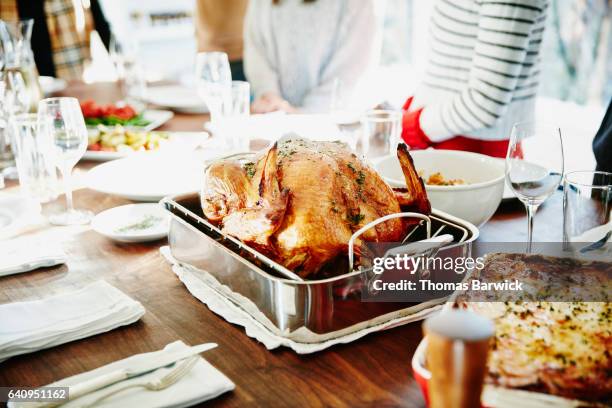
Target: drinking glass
[240, 100]
[130, 75]
[231, 126]
[534, 166]
[61, 121]
[37, 175]
[381, 132]
[214, 82]
[587, 208]
[343, 115]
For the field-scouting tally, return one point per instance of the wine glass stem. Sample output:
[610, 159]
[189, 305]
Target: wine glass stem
[67, 177]
[531, 210]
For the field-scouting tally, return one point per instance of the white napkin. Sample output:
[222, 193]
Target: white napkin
[25, 254]
[237, 314]
[35, 325]
[202, 383]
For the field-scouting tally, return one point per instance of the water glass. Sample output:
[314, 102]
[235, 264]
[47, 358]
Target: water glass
[587, 208]
[231, 126]
[214, 82]
[381, 133]
[534, 166]
[37, 175]
[239, 103]
[61, 123]
[6, 154]
[130, 73]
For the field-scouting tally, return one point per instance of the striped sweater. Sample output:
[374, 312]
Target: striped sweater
[482, 72]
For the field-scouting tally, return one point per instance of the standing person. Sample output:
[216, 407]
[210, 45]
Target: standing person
[602, 144]
[219, 28]
[60, 35]
[481, 78]
[295, 50]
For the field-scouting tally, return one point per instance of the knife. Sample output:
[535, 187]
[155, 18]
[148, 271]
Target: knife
[140, 368]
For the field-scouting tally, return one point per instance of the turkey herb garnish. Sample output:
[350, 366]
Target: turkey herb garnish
[250, 169]
[355, 219]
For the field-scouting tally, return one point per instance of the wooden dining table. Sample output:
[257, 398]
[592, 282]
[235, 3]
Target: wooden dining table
[372, 371]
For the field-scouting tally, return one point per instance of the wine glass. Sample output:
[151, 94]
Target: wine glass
[130, 75]
[214, 82]
[534, 166]
[61, 124]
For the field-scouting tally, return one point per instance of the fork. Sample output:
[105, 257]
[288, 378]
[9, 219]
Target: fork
[154, 384]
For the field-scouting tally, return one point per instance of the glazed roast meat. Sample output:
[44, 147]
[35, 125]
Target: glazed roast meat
[300, 201]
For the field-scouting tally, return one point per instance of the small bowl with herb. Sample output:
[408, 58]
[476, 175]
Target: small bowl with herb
[132, 223]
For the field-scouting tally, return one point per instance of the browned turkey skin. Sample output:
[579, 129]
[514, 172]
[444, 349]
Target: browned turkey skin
[301, 201]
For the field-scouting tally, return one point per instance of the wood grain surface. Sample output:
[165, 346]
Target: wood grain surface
[373, 371]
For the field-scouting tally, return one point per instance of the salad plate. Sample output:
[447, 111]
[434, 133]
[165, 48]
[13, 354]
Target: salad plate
[151, 142]
[124, 115]
[132, 223]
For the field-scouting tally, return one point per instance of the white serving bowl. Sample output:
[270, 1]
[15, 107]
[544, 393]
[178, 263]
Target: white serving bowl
[475, 201]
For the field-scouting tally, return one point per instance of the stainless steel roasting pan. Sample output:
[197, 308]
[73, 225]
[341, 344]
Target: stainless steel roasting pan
[306, 311]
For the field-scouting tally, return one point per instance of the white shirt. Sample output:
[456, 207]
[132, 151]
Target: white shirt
[483, 67]
[298, 50]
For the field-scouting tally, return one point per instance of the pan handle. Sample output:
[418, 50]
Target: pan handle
[377, 221]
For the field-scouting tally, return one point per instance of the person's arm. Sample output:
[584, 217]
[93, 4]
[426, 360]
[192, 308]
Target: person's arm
[353, 54]
[258, 69]
[503, 37]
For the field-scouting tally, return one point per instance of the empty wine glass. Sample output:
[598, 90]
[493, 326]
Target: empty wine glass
[534, 166]
[214, 81]
[130, 74]
[61, 121]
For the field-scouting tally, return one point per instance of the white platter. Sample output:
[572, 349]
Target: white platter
[178, 98]
[147, 177]
[132, 223]
[177, 141]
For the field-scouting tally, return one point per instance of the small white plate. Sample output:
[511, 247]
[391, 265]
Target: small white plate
[16, 212]
[50, 85]
[132, 223]
[147, 177]
[179, 98]
[177, 141]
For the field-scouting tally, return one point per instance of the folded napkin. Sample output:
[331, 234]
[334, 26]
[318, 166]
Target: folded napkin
[24, 254]
[35, 325]
[241, 313]
[202, 383]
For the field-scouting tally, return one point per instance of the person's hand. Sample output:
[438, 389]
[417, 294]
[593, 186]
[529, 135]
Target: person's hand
[271, 102]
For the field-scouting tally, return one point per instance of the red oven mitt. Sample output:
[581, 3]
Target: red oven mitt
[412, 133]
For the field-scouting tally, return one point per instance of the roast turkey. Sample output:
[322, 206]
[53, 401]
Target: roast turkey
[300, 201]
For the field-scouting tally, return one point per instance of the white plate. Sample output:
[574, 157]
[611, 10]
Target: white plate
[50, 85]
[16, 212]
[132, 223]
[177, 141]
[155, 117]
[147, 177]
[176, 97]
